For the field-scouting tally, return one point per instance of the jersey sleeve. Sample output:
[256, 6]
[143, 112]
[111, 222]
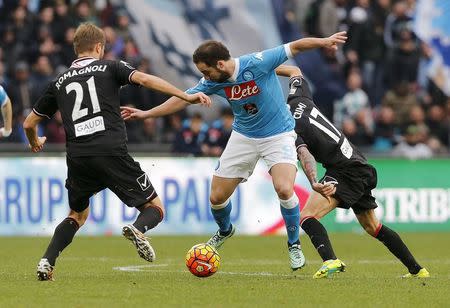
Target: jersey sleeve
[123, 72]
[3, 96]
[46, 106]
[270, 59]
[201, 87]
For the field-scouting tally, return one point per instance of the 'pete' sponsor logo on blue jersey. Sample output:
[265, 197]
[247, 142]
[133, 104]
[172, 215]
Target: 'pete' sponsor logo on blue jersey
[242, 90]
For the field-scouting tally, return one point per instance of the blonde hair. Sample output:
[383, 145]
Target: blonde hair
[86, 37]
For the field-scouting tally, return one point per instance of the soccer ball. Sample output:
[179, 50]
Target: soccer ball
[202, 260]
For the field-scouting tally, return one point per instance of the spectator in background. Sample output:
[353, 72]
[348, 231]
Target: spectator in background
[386, 134]
[174, 125]
[46, 20]
[397, 22]
[404, 63]
[84, 12]
[296, 12]
[401, 99]
[365, 47]
[130, 52]
[219, 133]
[439, 127]
[67, 54]
[331, 14]
[114, 44]
[123, 23]
[41, 75]
[413, 145]
[62, 22]
[357, 133]
[192, 135]
[22, 26]
[353, 102]
[151, 130]
[417, 116]
[20, 91]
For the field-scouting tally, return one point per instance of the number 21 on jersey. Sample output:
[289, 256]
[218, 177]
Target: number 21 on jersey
[92, 125]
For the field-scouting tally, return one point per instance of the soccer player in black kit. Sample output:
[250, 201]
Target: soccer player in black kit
[347, 183]
[87, 95]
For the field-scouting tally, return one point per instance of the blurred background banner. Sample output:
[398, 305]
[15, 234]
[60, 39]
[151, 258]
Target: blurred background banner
[413, 196]
[171, 30]
[432, 25]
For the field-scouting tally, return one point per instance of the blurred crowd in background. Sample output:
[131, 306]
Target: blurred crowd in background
[385, 102]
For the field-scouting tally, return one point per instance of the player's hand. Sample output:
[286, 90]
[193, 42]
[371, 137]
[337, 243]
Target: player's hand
[199, 98]
[130, 113]
[327, 190]
[336, 39]
[39, 145]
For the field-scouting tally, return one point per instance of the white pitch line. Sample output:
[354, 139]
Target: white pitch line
[142, 268]
[137, 268]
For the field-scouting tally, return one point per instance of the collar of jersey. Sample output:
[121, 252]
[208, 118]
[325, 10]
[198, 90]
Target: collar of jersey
[80, 62]
[236, 70]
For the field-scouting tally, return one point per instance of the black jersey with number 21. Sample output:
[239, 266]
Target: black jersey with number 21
[87, 95]
[326, 143]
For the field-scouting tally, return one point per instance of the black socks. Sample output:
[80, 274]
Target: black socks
[394, 243]
[62, 237]
[149, 218]
[319, 237]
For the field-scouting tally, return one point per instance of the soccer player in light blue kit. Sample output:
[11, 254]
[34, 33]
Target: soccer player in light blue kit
[5, 105]
[263, 127]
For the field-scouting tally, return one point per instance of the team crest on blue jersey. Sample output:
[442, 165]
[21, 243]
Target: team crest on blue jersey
[248, 75]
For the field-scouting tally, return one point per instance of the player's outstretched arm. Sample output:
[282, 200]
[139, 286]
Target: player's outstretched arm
[172, 105]
[288, 71]
[158, 84]
[30, 126]
[308, 43]
[7, 119]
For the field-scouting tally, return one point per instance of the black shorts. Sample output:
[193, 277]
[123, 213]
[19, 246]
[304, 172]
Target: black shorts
[354, 188]
[121, 174]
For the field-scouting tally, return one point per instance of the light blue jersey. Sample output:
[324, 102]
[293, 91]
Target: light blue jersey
[3, 96]
[254, 93]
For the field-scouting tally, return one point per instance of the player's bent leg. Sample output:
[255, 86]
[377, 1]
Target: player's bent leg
[221, 191]
[317, 207]
[151, 214]
[63, 236]
[283, 177]
[392, 241]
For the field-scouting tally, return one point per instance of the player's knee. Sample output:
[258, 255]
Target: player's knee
[284, 190]
[217, 198]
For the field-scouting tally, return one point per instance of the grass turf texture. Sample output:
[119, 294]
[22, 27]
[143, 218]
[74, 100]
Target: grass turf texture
[254, 273]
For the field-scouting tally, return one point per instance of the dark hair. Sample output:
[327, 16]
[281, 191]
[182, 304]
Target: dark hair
[210, 52]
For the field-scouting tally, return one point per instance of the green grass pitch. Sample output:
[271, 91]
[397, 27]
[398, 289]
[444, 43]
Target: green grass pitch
[107, 272]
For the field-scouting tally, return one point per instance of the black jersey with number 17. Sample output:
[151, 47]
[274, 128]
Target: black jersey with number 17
[87, 95]
[326, 143]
